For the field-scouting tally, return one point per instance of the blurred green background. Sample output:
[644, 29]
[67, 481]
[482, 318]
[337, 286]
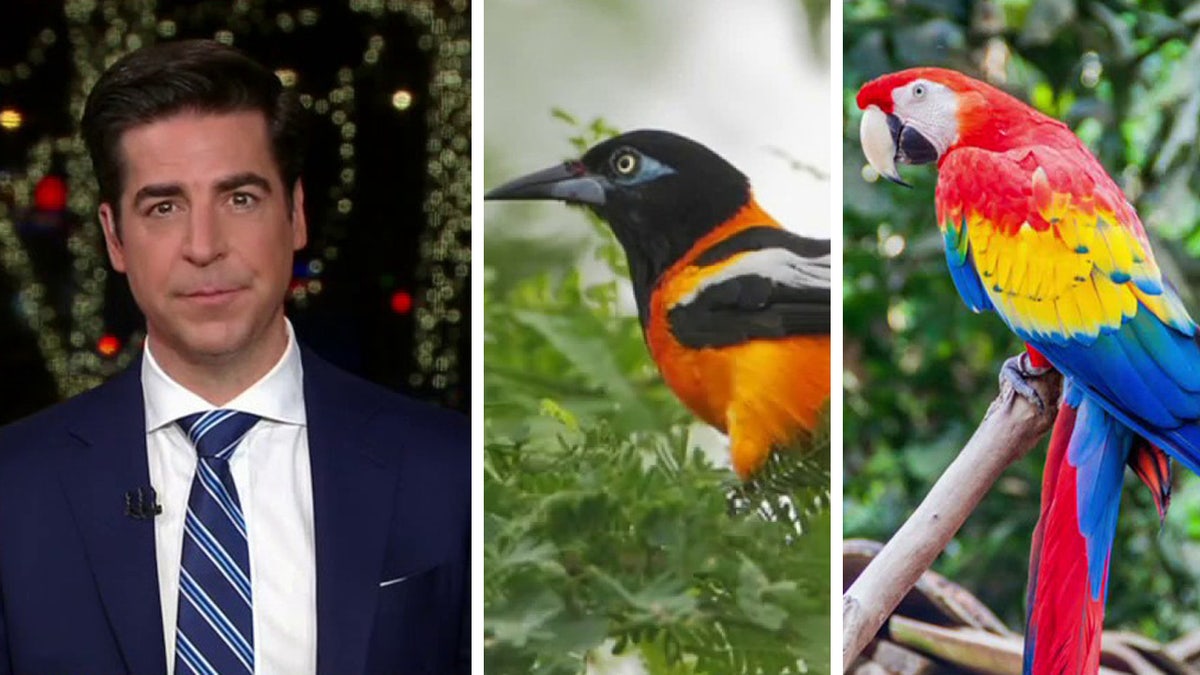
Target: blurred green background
[608, 546]
[920, 369]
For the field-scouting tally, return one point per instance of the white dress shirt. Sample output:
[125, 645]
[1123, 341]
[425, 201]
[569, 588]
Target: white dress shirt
[274, 483]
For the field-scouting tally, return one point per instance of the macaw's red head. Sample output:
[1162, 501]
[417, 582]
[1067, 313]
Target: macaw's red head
[916, 116]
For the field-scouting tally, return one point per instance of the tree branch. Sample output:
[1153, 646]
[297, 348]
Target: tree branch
[1011, 427]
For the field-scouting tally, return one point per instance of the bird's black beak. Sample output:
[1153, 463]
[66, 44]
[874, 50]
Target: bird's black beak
[570, 182]
[912, 147]
[886, 141]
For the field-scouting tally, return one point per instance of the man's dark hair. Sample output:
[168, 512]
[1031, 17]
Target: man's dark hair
[191, 75]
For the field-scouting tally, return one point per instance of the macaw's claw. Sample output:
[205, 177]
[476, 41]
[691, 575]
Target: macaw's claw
[1017, 371]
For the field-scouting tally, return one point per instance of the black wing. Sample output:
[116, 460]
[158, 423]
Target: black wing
[778, 288]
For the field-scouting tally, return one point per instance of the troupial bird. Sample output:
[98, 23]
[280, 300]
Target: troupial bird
[1036, 231]
[734, 308]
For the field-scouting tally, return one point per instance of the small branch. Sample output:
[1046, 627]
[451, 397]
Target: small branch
[1011, 427]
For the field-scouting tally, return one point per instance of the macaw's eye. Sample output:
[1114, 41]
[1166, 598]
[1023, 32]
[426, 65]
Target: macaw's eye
[625, 162]
[918, 90]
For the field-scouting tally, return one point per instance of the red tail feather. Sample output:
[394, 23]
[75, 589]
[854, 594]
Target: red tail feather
[1153, 466]
[1064, 623]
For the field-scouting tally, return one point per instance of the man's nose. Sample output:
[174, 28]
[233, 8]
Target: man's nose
[205, 241]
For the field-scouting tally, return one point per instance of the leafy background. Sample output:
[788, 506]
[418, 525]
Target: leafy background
[919, 368]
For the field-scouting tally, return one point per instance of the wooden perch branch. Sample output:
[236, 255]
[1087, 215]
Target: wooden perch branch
[1011, 427]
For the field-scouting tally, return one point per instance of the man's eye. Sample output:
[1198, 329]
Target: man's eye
[243, 200]
[162, 209]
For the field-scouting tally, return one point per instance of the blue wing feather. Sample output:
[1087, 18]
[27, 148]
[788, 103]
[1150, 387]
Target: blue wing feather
[1147, 375]
[962, 268]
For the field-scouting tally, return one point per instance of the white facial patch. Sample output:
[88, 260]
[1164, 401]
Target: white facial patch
[931, 109]
[779, 265]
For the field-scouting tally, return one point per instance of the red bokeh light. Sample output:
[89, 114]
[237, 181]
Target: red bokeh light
[50, 194]
[108, 346]
[402, 302]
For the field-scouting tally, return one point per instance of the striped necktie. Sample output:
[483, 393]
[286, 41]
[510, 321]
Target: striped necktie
[215, 631]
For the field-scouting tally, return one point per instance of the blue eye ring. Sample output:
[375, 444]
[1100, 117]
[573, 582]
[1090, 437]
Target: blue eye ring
[625, 162]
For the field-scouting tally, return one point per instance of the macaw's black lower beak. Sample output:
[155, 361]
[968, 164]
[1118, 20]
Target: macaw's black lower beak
[569, 182]
[887, 141]
[912, 147]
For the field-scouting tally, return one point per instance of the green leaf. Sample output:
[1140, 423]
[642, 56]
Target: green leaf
[560, 114]
[556, 412]
[579, 339]
[523, 619]
[753, 587]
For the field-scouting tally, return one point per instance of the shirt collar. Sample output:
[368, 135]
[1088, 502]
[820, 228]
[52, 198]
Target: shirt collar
[278, 395]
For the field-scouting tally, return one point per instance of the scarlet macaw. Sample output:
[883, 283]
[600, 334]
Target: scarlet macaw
[1036, 230]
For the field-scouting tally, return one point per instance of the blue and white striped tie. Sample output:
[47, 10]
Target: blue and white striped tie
[215, 631]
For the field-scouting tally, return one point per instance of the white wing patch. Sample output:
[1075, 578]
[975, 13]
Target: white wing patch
[777, 264]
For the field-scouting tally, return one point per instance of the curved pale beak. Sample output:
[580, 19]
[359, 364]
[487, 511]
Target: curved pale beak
[886, 141]
[878, 135]
[570, 182]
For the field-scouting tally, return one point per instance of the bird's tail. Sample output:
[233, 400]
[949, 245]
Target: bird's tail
[1153, 467]
[1068, 564]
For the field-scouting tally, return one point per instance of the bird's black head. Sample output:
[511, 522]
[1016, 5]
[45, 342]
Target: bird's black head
[658, 191]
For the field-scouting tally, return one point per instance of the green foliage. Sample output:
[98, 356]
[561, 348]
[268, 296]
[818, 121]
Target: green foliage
[603, 520]
[919, 367]
[595, 534]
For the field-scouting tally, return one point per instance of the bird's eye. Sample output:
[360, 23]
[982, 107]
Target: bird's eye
[918, 90]
[625, 162]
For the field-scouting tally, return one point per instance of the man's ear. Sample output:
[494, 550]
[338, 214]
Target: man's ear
[299, 224]
[112, 237]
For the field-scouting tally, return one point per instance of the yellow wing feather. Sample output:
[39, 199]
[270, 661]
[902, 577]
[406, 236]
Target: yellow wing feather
[1074, 265]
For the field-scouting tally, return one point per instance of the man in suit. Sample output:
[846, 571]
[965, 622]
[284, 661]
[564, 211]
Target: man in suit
[305, 521]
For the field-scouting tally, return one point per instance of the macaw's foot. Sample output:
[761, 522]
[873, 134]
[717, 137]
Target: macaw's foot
[1017, 372]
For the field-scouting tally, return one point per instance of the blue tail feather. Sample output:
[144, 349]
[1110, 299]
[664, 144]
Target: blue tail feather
[1099, 449]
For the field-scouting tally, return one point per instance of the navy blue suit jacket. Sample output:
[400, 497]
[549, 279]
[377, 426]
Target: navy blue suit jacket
[391, 493]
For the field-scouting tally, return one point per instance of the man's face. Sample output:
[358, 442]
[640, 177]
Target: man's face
[206, 237]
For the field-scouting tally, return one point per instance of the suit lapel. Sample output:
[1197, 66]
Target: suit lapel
[96, 474]
[353, 501]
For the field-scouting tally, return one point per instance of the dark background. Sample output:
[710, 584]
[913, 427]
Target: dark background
[363, 259]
